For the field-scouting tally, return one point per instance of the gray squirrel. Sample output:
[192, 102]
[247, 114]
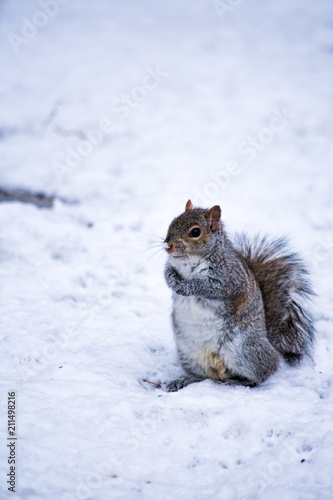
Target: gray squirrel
[238, 309]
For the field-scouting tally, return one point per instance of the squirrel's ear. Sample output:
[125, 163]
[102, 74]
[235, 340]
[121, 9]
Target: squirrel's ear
[213, 217]
[189, 206]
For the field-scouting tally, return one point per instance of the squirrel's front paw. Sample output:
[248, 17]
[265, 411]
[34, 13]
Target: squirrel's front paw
[173, 279]
[176, 282]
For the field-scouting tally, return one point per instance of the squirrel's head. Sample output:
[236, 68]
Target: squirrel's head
[193, 232]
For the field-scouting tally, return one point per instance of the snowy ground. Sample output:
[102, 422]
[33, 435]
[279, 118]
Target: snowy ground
[124, 110]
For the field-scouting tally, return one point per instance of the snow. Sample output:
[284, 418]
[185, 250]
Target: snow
[178, 100]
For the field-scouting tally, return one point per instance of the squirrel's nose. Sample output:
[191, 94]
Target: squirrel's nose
[169, 246]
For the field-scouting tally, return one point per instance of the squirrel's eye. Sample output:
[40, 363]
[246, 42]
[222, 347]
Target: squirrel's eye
[195, 232]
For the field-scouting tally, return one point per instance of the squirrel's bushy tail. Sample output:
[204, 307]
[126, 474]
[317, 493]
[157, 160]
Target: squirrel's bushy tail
[284, 284]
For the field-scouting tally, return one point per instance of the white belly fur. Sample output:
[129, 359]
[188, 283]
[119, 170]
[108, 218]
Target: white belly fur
[199, 335]
[199, 331]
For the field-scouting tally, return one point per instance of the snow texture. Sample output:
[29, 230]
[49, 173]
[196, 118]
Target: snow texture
[123, 110]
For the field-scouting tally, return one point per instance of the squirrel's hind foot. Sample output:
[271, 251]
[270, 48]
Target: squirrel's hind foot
[181, 382]
[238, 381]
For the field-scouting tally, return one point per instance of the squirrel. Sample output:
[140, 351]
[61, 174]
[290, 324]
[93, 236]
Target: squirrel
[238, 308]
